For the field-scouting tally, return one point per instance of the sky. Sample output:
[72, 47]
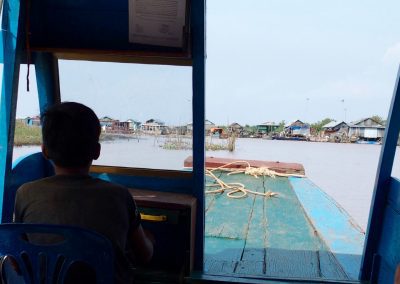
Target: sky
[267, 60]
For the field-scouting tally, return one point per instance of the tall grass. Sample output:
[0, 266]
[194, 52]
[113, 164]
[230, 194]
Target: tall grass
[27, 135]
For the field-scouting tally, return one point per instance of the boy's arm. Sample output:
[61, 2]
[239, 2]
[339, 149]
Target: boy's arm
[17, 215]
[142, 243]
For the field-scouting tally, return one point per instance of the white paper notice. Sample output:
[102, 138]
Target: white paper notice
[157, 22]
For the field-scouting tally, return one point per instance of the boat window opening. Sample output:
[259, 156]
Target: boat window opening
[297, 87]
[145, 111]
[28, 133]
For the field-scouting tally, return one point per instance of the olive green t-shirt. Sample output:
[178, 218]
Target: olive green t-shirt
[86, 202]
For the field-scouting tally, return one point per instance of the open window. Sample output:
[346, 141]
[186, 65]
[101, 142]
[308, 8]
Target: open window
[144, 110]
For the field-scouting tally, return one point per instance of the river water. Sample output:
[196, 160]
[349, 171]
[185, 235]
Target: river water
[345, 171]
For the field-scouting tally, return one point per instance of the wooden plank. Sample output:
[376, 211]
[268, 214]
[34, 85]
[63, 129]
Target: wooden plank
[128, 171]
[222, 267]
[210, 198]
[226, 229]
[223, 249]
[250, 267]
[119, 57]
[279, 240]
[329, 266]
[292, 242]
[256, 236]
[287, 224]
[253, 254]
[253, 257]
[292, 264]
[338, 230]
[213, 162]
[229, 217]
[176, 185]
[157, 199]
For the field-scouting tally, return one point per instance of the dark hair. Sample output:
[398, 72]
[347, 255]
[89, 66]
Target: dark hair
[70, 134]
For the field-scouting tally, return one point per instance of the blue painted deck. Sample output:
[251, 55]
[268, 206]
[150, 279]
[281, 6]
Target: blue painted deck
[279, 236]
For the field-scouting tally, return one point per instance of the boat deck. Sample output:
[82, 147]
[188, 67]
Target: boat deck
[274, 236]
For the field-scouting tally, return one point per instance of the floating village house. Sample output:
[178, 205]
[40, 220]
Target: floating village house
[336, 128]
[207, 126]
[133, 125]
[153, 126]
[110, 125]
[106, 123]
[235, 128]
[267, 127]
[336, 131]
[33, 121]
[120, 127]
[297, 129]
[367, 129]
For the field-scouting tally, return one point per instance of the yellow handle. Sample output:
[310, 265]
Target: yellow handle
[153, 218]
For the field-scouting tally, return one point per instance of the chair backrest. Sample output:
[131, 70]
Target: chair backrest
[49, 263]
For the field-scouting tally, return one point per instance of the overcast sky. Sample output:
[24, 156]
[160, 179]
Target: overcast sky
[266, 61]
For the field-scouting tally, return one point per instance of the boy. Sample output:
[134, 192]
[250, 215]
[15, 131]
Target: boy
[71, 134]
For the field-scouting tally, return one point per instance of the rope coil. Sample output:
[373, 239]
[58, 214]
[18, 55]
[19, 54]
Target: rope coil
[239, 190]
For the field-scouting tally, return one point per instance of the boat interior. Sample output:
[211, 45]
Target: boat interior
[194, 247]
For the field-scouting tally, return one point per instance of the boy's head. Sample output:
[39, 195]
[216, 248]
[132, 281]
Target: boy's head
[71, 135]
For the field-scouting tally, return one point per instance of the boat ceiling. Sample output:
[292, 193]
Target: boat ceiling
[93, 30]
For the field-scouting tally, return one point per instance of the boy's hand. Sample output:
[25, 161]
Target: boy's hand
[150, 236]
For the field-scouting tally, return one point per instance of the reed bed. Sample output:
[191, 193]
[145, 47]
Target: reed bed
[27, 135]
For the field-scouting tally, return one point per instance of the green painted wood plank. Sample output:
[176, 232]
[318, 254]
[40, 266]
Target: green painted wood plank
[222, 267]
[329, 266]
[292, 264]
[253, 257]
[250, 267]
[223, 249]
[210, 198]
[287, 224]
[269, 237]
[254, 254]
[229, 218]
[256, 236]
[337, 229]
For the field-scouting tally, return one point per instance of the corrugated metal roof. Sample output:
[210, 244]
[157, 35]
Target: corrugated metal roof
[333, 124]
[269, 123]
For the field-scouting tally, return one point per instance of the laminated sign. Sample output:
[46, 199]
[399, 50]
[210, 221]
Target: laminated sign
[157, 22]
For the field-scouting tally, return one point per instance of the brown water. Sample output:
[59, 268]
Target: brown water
[345, 171]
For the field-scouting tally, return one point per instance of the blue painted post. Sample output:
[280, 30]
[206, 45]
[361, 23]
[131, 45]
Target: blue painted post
[198, 104]
[381, 189]
[47, 77]
[8, 103]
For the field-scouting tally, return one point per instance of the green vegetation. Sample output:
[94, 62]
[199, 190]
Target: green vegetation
[179, 143]
[281, 126]
[250, 128]
[318, 125]
[378, 119]
[27, 135]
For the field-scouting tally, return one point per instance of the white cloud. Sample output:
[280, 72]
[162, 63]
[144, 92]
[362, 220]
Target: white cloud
[392, 54]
